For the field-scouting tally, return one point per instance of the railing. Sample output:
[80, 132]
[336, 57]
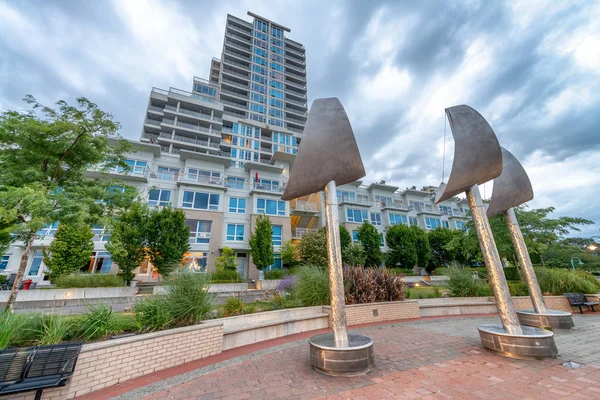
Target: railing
[356, 200]
[233, 62]
[294, 85]
[298, 103]
[152, 122]
[234, 104]
[289, 49]
[235, 28]
[426, 208]
[268, 187]
[227, 130]
[192, 113]
[229, 42]
[189, 126]
[293, 74]
[392, 204]
[299, 232]
[292, 59]
[267, 149]
[235, 114]
[161, 91]
[235, 84]
[294, 130]
[184, 139]
[228, 71]
[295, 111]
[201, 179]
[296, 120]
[301, 205]
[233, 93]
[154, 108]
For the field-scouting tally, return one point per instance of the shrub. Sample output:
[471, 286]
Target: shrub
[225, 276]
[54, 330]
[29, 330]
[152, 314]
[312, 288]
[286, 284]
[518, 288]
[312, 249]
[10, 327]
[590, 278]
[233, 306]
[402, 242]
[274, 274]
[187, 298]
[3, 279]
[97, 323]
[277, 302]
[462, 284]
[372, 285]
[558, 281]
[371, 244]
[511, 274]
[88, 281]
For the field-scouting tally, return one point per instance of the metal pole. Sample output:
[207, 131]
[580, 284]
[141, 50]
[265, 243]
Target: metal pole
[506, 308]
[336, 277]
[523, 255]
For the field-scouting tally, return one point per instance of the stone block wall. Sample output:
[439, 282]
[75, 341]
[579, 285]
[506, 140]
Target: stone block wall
[378, 312]
[107, 363]
[560, 303]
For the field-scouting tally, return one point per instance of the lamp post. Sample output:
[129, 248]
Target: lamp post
[573, 264]
[593, 243]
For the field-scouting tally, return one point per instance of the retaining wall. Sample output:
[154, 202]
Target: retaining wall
[57, 298]
[378, 312]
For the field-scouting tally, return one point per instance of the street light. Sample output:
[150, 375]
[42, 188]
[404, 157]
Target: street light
[593, 242]
[576, 258]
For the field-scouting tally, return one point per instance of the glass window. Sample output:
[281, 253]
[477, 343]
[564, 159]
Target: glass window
[445, 224]
[234, 183]
[356, 215]
[48, 230]
[259, 60]
[260, 43]
[136, 167]
[432, 223]
[397, 219]
[261, 26]
[276, 93]
[259, 88]
[101, 234]
[100, 263]
[382, 241]
[460, 225]
[259, 79]
[260, 52]
[205, 89]
[446, 210]
[276, 113]
[277, 50]
[276, 237]
[258, 108]
[355, 237]
[346, 196]
[4, 262]
[376, 218]
[200, 200]
[36, 263]
[237, 205]
[275, 122]
[413, 221]
[195, 262]
[167, 173]
[259, 98]
[270, 207]
[199, 231]
[276, 262]
[198, 175]
[276, 75]
[159, 197]
[277, 42]
[276, 58]
[235, 232]
[259, 69]
[277, 67]
[276, 84]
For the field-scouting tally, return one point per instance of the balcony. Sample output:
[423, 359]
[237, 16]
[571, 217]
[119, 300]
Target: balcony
[291, 50]
[192, 113]
[295, 130]
[156, 109]
[426, 209]
[152, 122]
[294, 102]
[234, 93]
[299, 232]
[393, 205]
[201, 180]
[184, 139]
[235, 84]
[185, 93]
[192, 127]
[238, 74]
[294, 85]
[261, 187]
[235, 28]
[235, 63]
[303, 207]
[356, 200]
[294, 120]
[234, 104]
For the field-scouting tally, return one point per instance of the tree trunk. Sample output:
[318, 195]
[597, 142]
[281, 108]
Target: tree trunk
[22, 266]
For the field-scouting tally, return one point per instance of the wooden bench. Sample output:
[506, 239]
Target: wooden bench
[580, 299]
[36, 368]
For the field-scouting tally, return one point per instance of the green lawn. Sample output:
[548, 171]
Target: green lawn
[425, 292]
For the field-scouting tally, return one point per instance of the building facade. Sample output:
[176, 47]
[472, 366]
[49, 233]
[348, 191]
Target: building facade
[223, 151]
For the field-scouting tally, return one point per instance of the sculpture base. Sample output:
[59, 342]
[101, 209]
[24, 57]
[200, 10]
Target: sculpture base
[356, 359]
[552, 319]
[534, 343]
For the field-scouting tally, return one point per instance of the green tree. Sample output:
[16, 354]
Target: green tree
[312, 249]
[402, 244]
[44, 153]
[422, 246]
[127, 242]
[345, 238]
[371, 243]
[439, 239]
[354, 255]
[167, 239]
[288, 254]
[261, 243]
[226, 261]
[70, 250]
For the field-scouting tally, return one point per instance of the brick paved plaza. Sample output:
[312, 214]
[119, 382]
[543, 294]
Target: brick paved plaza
[427, 359]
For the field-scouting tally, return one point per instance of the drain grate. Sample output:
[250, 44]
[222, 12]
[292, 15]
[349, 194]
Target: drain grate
[572, 364]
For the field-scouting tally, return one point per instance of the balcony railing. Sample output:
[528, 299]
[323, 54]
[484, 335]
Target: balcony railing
[157, 109]
[189, 126]
[305, 206]
[234, 93]
[228, 71]
[194, 95]
[299, 232]
[298, 103]
[239, 64]
[152, 122]
[294, 130]
[234, 104]
[185, 139]
[391, 204]
[192, 113]
[425, 209]
[355, 200]
[268, 187]
[235, 84]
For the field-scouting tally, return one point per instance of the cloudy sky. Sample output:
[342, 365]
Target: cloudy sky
[532, 68]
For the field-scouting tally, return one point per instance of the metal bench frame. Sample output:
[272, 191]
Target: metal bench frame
[580, 299]
[37, 368]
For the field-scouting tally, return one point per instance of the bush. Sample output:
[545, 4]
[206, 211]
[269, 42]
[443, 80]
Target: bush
[224, 276]
[372, 286]
[187, 298]
[3, 279]
[274, 274]
[97, 323]
[558, 281]
[286, 284]
[518, 288]
[312, 288]
[462, 284]
[54, 330]
[312, 249]
[152, 314]
[590, 278]
[511, 274]
[277, 302]
[88, 281]
[233, 306]
[10, 328]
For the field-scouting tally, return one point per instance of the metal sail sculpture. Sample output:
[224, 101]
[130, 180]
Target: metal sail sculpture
[513, 188]
[478, 159]
[317, 167]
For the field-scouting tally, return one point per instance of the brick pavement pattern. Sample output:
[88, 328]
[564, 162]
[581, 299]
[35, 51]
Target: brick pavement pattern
[434, 359]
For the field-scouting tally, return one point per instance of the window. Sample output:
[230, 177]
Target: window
[136, 167]
[197, 175]
[36, 263]
[355, 237]
[276, 58]
[100, 233]
[460, 225]
[276, 75]
[276, 93]
[205, 89]
[445, 224]
[276, 85]
[346, 196]
[259, 69]
[276, 32]
[235, 232]
[275, 113]
[257, 117]
[159, 197]
[397, 219]
[48, 230]
[237, 205]
[277, 42]
[260, 52]
[200, 200]
[258, 108]
[376, 218]
[432, 223]
[167, 173]
[382, 241]
[100, 262]
[267, 184]
[413, 221]
[446, 210]
[259, 98]
[276, 237]
[260, 35]
[259, 79]
[199, 231]
[261, 26]
[277, 50]
[416, 205]
[259, 60]
[356, 215]
[195, 261]
[275, 122]
[260, 43]
[276, 103]
[270, 207]
[4, 262]
[259, 88]
[382, 201]
[234, 183]
[276, 262]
